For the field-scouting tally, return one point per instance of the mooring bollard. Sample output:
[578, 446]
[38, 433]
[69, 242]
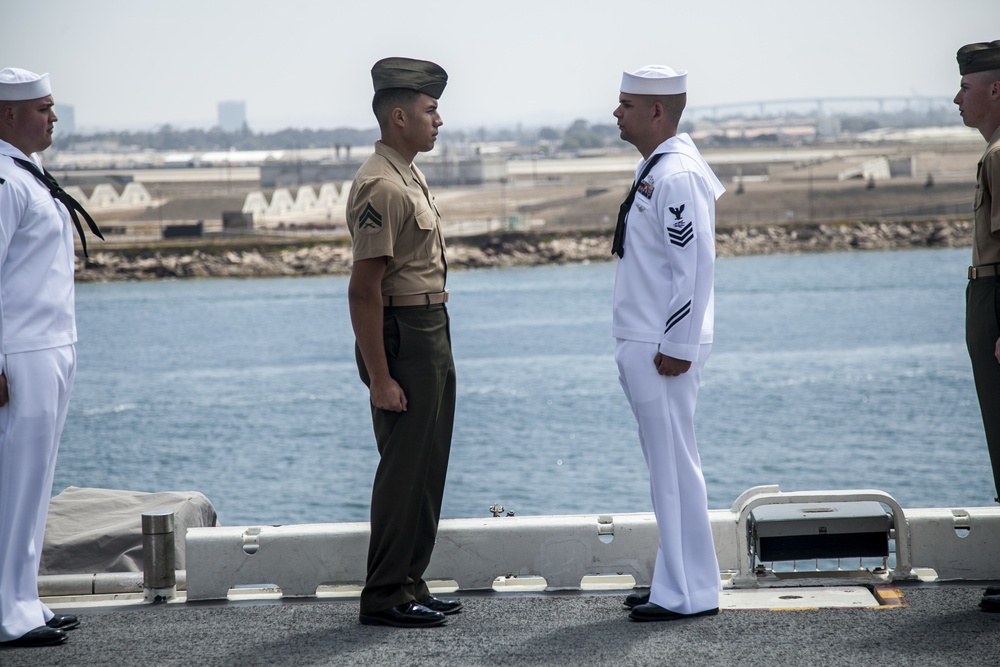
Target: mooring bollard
[159, 578]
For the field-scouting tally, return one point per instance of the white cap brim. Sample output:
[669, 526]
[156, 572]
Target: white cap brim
[19, 84]
[654, 80]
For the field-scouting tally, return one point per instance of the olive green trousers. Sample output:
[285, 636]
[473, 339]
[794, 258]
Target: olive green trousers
[982, 328]
[413, 447]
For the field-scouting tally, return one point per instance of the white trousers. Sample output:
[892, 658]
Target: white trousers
[40, 384]
[686, 574]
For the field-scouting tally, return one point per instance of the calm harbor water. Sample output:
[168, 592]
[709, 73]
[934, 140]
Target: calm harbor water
[828, 371]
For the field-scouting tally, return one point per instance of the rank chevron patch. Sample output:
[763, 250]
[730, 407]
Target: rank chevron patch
[681, 236]
[681, 313]
[370, 221]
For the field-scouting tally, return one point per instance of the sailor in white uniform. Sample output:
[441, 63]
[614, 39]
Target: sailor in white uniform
[37, 354]
[662, 320]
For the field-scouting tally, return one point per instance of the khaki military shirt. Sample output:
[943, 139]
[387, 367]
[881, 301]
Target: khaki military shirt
[986, 244]
[390, 213]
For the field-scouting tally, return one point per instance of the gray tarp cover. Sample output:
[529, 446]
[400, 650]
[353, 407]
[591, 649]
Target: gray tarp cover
[100, 530]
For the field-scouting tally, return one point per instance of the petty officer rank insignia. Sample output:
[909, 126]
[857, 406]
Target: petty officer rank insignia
[370, 221]
[680, 231]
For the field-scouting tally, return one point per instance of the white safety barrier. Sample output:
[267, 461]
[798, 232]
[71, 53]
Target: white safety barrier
[958, 544]
[472, 552]
[298, 559]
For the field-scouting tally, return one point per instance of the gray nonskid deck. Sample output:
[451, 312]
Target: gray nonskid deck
[939, 625]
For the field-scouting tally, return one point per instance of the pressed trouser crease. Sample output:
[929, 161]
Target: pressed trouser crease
[31, 424]
[414, 447]
[982, 328]
[686, 573]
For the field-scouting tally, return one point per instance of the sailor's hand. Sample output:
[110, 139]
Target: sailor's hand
[669, 366]
[996, 351]
[388, 395]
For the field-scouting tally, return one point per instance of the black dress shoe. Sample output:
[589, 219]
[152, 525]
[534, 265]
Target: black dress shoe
[42, 636]
[990, 603]
[992, 590]
[446, 607]
[654, 612]
[406, 615]
[633, 600]
[63, 622]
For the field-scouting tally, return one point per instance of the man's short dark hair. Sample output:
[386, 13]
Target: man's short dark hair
[391, 98]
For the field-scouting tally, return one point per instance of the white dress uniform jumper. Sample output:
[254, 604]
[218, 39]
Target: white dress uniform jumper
[37, 355]
[663, 302]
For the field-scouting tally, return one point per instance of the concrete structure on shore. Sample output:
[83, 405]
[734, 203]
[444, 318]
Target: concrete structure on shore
[306, 205]
[440, 172]
[300, 193]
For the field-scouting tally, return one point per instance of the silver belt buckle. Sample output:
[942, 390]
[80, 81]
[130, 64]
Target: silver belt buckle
[984, 271]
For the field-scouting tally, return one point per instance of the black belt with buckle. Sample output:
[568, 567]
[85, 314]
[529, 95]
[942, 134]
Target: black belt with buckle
[984, 271]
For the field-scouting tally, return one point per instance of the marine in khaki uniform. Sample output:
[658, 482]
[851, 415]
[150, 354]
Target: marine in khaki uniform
[978, 101]
[397, 300]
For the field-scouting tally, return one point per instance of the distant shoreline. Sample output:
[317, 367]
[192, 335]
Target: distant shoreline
[246, 259]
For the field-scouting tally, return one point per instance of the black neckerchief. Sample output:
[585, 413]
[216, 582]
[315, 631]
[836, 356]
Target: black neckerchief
[72, 205]
[618, 245]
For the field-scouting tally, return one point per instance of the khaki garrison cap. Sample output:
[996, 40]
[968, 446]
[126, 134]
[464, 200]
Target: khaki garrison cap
[419, 75]
[979, 57]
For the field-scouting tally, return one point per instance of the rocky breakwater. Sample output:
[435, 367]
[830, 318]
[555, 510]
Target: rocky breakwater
[842, 237]
[210, 262]
[510, 249]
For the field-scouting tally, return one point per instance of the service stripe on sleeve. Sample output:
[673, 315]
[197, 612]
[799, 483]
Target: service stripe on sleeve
[678, 316]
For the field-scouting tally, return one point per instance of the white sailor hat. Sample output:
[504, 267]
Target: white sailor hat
[654, 80]
[20, 84]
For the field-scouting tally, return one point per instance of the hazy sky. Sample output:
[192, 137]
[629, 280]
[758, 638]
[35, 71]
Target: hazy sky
[138, 64]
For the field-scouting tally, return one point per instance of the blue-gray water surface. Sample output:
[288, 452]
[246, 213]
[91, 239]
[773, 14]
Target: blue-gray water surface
[844, 370]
